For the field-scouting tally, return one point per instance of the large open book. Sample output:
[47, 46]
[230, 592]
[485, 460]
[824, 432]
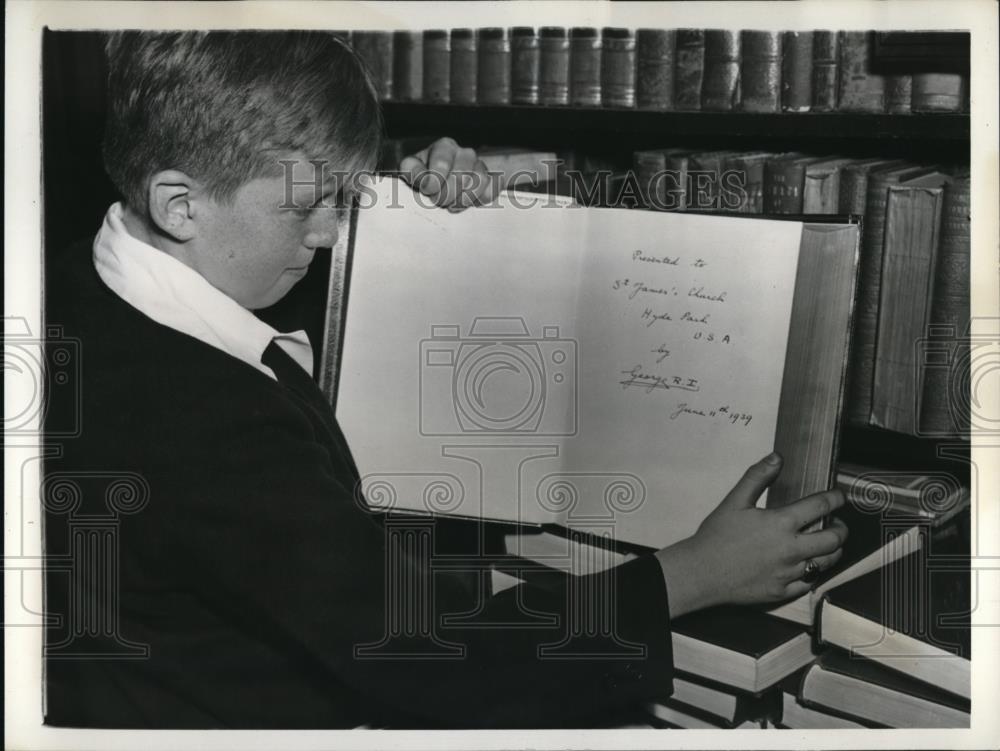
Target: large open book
[611, 369]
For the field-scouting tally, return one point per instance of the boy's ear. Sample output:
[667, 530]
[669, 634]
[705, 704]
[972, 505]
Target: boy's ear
[170, 204]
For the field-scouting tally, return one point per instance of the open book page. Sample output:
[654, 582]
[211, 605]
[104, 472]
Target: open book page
[611, 370]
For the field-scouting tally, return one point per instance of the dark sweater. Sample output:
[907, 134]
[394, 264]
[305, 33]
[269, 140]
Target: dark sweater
[251, 571]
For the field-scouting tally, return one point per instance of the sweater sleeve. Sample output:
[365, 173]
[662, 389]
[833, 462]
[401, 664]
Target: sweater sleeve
[280, 540]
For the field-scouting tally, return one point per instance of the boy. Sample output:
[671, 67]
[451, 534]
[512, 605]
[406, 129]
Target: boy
[251, 583]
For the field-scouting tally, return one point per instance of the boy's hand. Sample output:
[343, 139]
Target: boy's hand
[451, 175]
[742, 554]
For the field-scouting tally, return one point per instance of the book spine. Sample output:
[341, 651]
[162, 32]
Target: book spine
[937, 92]
[749, 173]
[649, 168]
[898, 90]
[853, 191]
[494, 66]
[797, 71]
[860, 89]
[675, 186]
[760, 71]
[705, 171]
[437, 66]
[375, 49]
[859, 401]
[585, 67]
[913, 221]
[407, 65]
[821, 192]
[553, 73]
[825, 71]
[783, 182]
[524, 65]
[943, 405]
[655, 49]
[464, 66]
[689, 69]
[720, 90]
[618, 67]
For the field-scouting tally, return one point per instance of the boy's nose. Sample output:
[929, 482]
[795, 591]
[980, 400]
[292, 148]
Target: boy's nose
[322, 237]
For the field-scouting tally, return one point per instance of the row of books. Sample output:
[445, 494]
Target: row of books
[655, 69]
[911, 348]
[886, 642]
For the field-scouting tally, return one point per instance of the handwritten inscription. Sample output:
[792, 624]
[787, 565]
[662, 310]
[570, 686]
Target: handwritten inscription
[661, 352]
[646, 381]
[640, 256]
[724, 412]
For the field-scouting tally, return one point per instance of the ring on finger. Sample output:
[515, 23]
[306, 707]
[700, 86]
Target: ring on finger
[811, 572]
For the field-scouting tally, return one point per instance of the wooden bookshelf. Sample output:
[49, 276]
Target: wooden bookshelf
[923, 137]
[569, 122]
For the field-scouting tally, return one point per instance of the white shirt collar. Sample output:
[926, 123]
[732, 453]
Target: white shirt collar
[178, 297]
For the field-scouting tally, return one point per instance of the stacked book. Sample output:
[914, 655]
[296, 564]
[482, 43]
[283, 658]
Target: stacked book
[882, 640]
[713, 70]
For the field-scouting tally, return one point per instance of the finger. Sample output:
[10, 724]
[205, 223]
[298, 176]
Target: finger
[756, 479]
[796, 588]
[413, 166]
[812, 508]
[825, 562]
[441, 157]
[486, 187]
[821, 542]
[467, 181]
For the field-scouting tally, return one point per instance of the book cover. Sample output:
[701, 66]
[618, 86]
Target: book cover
[760, 71]
[825, 71]
[797, 71]
[946, 373]
[934, 497]
[689, 69]
[821, 186]
[437, 66]
[862, 689]
[655, 50]
[525, 61]
[585, 67]
[938, 92]
[464, 66]
[898, 90]
[784, 179]
[553, 66]
[407, 65]
[909, 260]
[618, 67]
[792, 714]
[375, 49]
[862, 370]
[720, 91]
[493, 85]
[912, 616]
[860, 90]
[740, 647]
